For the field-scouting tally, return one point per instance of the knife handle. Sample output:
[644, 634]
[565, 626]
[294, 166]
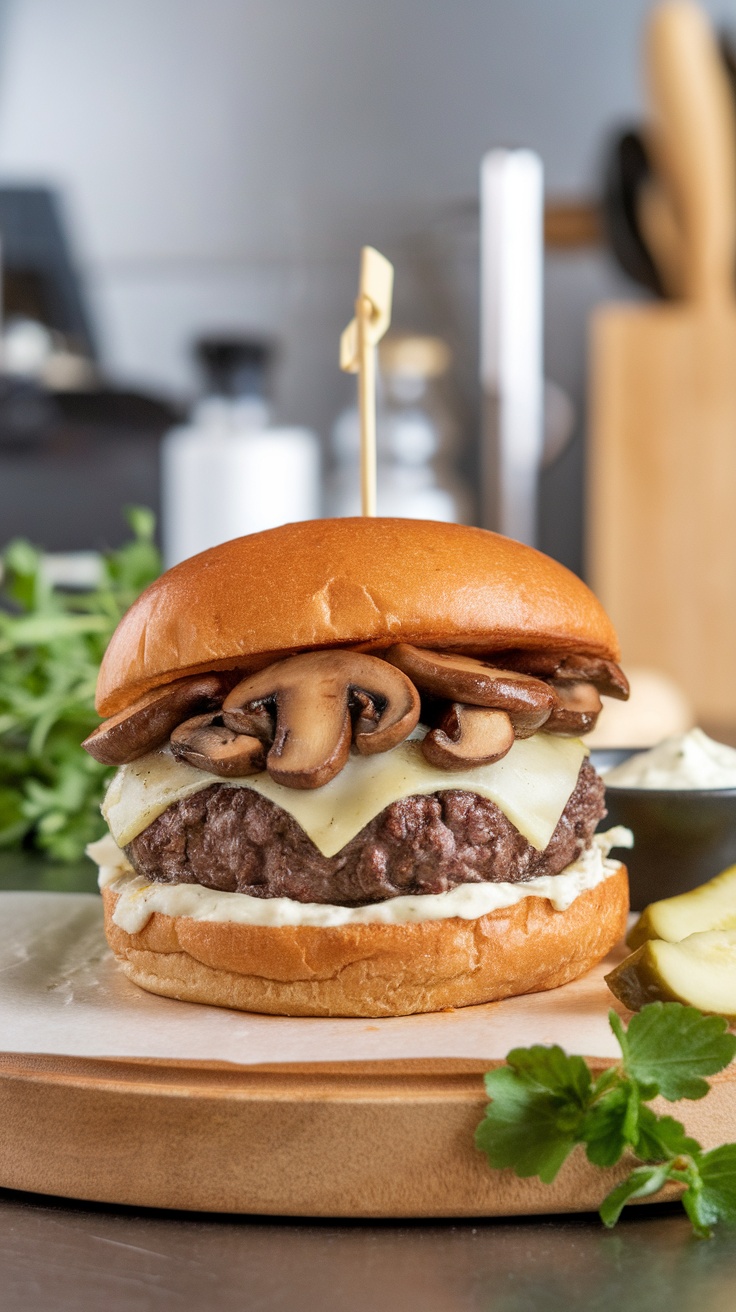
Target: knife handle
[692, 141]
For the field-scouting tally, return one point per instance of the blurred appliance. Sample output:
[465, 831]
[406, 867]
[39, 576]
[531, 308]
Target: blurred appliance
[70, 463]
[417, 439]
[512, 241]
[73, 450]
[39, 280]
[662, 491]
[228, 471]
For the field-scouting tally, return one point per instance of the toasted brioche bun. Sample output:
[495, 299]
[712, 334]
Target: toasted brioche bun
[373, 969]
[348, 582]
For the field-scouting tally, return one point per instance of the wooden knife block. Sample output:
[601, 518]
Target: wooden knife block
[662, 492]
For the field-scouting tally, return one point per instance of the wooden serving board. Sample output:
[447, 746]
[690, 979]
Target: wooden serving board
[361, 1139]
[110, 1094]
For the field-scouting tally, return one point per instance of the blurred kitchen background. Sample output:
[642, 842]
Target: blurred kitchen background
[214, 168]
[184, 192]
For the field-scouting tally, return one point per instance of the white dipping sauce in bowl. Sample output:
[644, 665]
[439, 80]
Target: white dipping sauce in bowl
[679, 799]
[688, 761]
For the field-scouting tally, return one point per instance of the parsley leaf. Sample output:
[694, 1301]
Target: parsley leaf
[544, 1102]
[671, 1047]
[612, 1124]
[712, 1198]
[527, 1127]
[51, 645]
[552, 1070]
[661, 1137]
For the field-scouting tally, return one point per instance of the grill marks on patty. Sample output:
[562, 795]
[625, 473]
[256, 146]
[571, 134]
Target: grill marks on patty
[237, 841]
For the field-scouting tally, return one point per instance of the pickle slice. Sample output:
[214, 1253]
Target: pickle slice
[700, 970]
[712, 906]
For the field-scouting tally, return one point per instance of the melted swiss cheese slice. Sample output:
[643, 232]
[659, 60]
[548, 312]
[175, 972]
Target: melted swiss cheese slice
[531, 785]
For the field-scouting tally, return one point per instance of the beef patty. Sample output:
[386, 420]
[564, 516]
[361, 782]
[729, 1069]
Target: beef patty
[235, 840]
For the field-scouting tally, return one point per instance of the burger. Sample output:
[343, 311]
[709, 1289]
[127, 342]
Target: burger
[351, 777]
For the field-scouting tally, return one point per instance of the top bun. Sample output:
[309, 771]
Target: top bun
[348, 582]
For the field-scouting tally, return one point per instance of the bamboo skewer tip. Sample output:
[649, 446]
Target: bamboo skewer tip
[358, 355]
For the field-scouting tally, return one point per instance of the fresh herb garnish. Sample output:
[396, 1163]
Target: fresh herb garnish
[51, 645]
[544, 1103]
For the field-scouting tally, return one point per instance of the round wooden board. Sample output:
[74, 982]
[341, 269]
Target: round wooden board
[364, 1139]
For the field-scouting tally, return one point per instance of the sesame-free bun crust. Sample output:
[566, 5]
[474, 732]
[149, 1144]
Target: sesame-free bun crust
[348, 582]
[374, 969]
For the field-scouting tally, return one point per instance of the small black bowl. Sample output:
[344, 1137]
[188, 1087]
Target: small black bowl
[682, 836]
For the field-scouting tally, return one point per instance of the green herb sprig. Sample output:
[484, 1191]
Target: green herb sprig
[51, 645]
[544, 1103]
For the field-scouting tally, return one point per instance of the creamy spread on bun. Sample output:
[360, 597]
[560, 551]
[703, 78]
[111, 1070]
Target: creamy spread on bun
[138, 899]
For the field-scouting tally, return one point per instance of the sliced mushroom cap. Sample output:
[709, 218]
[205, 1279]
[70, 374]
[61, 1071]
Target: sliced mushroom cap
[206, 742]
[527, 701]
[607, 676]
[543, 664]
[468, 736]
[258, 721]
[313, 695]
[148, 722]
[386, 702]
[526, 719]
[578, 708]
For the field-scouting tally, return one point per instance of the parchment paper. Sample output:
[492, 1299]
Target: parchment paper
[61, 992]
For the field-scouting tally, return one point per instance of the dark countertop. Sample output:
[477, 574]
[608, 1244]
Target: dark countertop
[70, 1256]
[27, 870]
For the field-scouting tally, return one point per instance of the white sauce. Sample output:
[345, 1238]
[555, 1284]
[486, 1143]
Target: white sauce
[138, 898]
[690, 760]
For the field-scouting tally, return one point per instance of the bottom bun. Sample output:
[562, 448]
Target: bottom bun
[373, 969]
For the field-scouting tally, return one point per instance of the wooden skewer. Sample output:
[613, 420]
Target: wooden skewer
[366, 406]
[358, 355]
